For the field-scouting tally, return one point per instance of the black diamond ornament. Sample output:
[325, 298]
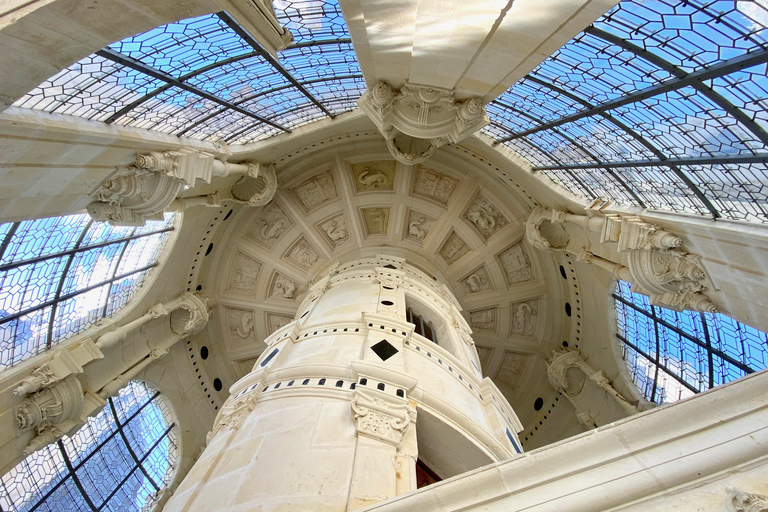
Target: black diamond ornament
[384, 350]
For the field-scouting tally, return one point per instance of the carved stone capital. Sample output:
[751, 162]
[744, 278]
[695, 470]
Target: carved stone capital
[255, 190]
[741, 501]
[416, 120]
[380, 419]
[233, 413]
[55, 404]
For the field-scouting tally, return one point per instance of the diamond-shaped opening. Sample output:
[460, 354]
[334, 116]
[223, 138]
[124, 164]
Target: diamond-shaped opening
[384, 349]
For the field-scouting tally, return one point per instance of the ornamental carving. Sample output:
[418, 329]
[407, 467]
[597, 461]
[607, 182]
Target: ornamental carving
[135, 193]
[241, 325]
[523, 320]
[233, 412]
[419, 225]
[376, 220]
[277, 321]
[516, 264]
[245, 273]
[380, 419]
[434, 185]
[272, 224]
[52, 405]
[284, 287]
[485, 216]
[658, 266]
[316, 190]
[741, 501]
[188, 313]
[483, 319]
[302, 254]
[416, 120]
[374, 175]
[335, 229]
[477, 281]
[453, 248]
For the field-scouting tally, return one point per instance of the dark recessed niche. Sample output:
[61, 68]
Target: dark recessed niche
[400, 393]
[199, 287]
[538, 404]
[321, 382]
[389, 265]
[217, 384]
[562, 272]
[388, 303]
[363, 381]
[384, 350]
[304, 314]
[209, 249]
[565, 344]
[204, 352]
[380, 386]
[568, 308]
[387, 287]
[228, 214]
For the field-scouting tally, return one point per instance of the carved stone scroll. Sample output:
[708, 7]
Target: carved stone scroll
[416, 120]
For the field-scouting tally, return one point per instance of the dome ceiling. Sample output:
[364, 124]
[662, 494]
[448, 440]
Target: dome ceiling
[449, 217]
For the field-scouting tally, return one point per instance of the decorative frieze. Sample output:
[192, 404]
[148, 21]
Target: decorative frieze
[741, 501]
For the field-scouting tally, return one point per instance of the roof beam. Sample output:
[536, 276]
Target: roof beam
[132, 63]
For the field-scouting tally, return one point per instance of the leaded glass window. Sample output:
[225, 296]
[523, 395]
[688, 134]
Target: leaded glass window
[206, 78]
[118, 461]
[675, 354]
[659, 104]
[60, 275]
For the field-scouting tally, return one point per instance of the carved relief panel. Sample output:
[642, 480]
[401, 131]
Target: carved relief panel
[485, 216]
[477, 281]
[241, 325]
[271, 226]
[376, 220]
[245, 272]
[335, 230]
[511, 369]
[283, 287]
[434, 185]
[276, 320]
[524, 316]
[483, 353]
[453, 248]
[516, 264]
[419, 225]
[374, 175]
[302, 254]
[316, 190]
[483, 319]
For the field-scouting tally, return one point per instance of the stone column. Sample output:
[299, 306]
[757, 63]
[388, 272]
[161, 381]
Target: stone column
[327, 418]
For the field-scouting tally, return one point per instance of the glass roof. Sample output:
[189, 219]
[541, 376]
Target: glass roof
[118, 461]
[60, 275]
[659, 104]
[207, 78]
[673, 355]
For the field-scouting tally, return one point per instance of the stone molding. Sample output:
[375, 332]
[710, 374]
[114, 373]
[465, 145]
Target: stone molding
[658, 266]
[416, 120]
[142, 191]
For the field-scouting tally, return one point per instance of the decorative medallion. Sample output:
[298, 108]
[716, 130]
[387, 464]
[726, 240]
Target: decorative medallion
[419, 225]
[434, 185]
[335, 230]
[316, 190]
[524, 316]
[485, 216]
[374, 175]
[273, 223]
[245, 273]
[302, 254]
[477, 281]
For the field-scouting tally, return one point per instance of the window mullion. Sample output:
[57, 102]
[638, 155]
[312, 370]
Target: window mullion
[75, 479]
[7, 239]
[128, 445]
[60, 287]
[112, 279]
